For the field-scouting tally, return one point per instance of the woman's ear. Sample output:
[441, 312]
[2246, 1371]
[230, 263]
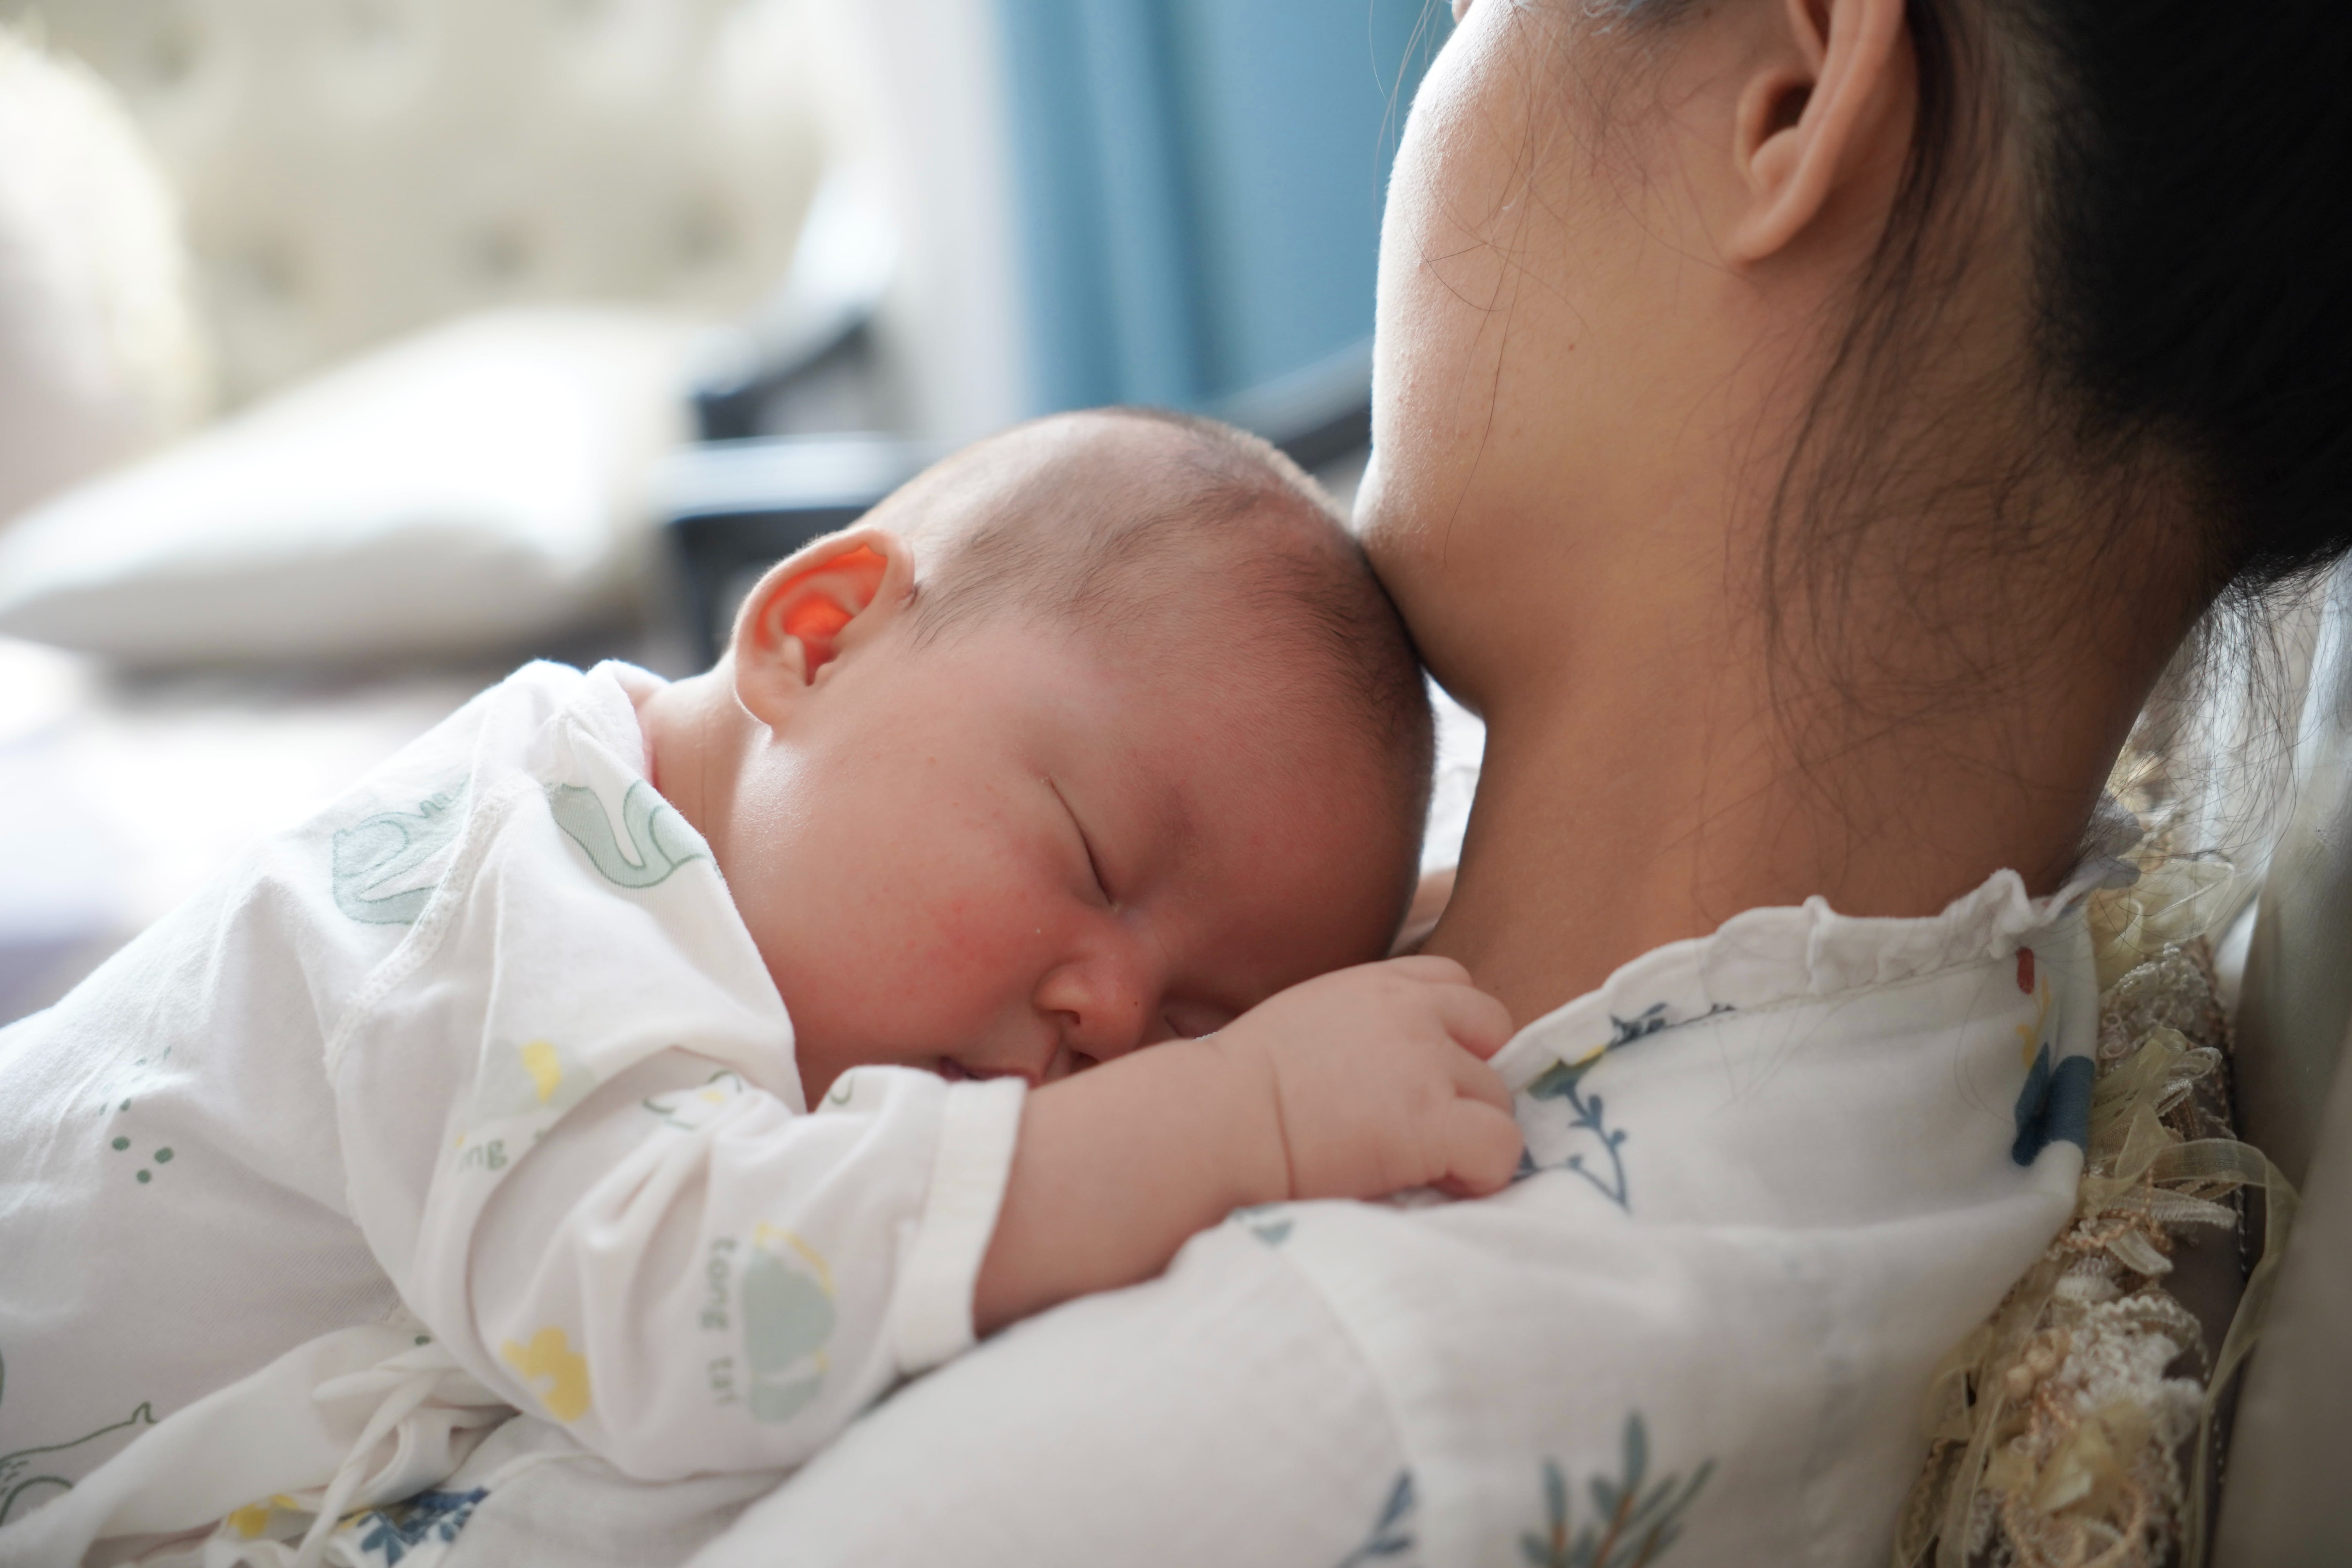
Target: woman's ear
[1819, 103]
[810, 609]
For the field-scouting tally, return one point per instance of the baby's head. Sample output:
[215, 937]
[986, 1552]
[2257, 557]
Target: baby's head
[1094, 735]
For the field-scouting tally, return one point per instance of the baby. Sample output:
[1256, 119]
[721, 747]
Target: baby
[689, 1063]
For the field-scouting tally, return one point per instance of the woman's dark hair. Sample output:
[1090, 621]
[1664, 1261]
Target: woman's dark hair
[2184, 422]
[2195, 158]
[2184, 163]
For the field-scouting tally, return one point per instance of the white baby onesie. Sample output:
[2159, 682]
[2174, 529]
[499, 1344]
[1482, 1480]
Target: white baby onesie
[487, 1037]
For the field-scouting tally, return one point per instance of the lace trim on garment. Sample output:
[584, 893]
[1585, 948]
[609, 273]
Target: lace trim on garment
[1803, 953]
[2058, 1427]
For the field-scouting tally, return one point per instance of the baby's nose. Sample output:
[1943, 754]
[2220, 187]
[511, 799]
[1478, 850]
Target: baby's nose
[1101, 1008]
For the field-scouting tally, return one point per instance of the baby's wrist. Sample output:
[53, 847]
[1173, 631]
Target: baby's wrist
[1256, 1149]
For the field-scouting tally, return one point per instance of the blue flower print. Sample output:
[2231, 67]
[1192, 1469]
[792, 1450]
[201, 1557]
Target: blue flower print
[2056, 1103]
[1391, 1538]
[396, 1529]
[1564, 1081]
[2055, 1106]
[1630, 1527]
[1640, 1026]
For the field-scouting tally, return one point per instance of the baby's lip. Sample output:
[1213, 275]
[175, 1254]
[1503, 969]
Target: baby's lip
[955, 1071]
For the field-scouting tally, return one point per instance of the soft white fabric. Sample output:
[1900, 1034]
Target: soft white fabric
[527, 1495]
[531, 1495]
[100, 353]
[472, 487]
[485, 1036]
[1219, 1414]
[1772, 1176]
[361, 1415]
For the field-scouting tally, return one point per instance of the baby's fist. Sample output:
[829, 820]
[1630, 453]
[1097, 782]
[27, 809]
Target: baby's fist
[1377, 1080]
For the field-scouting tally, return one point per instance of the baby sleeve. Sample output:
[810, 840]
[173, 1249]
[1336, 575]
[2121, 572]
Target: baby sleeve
[575, 1141]
[692, 1277]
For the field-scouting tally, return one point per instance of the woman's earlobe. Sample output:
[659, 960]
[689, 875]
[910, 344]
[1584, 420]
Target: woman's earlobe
[1808, 120]
[1772, 156]
[811, 608]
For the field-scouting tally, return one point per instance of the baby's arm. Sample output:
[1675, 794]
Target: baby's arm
[1358, 1084]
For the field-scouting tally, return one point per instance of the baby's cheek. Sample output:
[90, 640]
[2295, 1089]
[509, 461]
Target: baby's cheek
[974, 931]
[969, 952]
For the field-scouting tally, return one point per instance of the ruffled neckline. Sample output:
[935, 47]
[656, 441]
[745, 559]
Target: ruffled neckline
[1808, 951]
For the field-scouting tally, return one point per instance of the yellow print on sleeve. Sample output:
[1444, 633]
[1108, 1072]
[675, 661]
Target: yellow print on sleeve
[524, 1080]
[549, 1356]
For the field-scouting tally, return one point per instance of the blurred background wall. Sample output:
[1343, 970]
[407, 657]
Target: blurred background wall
[1162, 201]
[351, 170]
[1200, 186]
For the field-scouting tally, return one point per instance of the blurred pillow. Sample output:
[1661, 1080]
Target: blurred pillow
[100, 352]
[471, 488]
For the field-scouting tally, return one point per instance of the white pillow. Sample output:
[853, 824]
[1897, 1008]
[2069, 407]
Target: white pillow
[471, 488]
[100, 352]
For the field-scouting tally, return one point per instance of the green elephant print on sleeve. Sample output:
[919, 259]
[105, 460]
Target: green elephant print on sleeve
[372, 858]
[659, 841]
[788, 1317]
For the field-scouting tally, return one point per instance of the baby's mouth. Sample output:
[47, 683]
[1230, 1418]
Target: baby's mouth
[955, 1071]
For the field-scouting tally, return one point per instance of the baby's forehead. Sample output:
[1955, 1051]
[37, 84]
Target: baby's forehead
[1092, 473]
[1220, 697]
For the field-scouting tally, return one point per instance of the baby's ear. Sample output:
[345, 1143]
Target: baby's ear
[811, 608]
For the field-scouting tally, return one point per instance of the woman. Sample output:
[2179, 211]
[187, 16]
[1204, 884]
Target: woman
[1805, 429]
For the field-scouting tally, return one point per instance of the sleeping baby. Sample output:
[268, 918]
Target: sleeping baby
[688, 1063]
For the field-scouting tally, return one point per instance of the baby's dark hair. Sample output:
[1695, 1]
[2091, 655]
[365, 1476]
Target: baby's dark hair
[1097, 518]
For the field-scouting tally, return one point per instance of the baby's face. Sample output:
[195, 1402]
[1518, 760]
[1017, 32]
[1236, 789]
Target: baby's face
[1019, 851]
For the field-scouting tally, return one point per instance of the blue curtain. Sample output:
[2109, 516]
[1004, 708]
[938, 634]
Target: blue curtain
[1200, 183]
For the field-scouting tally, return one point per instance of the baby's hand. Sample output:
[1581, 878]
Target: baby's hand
[1377, 1080]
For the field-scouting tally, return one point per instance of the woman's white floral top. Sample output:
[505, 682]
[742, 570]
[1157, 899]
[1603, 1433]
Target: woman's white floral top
[1773, 1175]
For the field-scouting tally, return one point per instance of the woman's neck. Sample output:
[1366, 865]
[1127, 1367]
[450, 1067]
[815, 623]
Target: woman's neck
[1666, 782]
